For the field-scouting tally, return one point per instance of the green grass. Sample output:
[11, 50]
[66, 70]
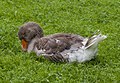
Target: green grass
[81, 17]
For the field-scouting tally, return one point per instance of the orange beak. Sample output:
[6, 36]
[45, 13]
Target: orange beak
[24, 45]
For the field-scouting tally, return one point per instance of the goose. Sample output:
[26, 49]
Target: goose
[59, 47]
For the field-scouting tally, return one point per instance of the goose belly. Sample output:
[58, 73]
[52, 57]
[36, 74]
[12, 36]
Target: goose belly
[82, 55]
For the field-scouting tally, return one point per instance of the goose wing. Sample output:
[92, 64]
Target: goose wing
[56, 47]
[64, 56]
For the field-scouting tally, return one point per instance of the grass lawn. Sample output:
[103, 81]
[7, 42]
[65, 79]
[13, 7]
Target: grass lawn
[81, 17]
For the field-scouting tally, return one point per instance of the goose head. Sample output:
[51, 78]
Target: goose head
[28, 32]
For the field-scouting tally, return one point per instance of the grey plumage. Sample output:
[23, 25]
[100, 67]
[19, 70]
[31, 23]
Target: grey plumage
[54, 46]
[30, 30]
[60, 47]
[84, 52]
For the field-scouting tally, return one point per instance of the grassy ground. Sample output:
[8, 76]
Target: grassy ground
[71, 16]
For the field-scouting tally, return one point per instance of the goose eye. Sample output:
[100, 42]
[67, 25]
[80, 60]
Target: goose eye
[25, 35]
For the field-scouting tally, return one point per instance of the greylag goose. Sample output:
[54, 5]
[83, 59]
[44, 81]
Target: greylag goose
[60, 47]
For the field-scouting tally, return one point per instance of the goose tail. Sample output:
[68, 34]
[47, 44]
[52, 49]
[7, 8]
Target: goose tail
[94, 40]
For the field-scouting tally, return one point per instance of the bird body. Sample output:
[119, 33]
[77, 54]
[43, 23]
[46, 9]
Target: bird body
[66, 51]
[63, 47]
